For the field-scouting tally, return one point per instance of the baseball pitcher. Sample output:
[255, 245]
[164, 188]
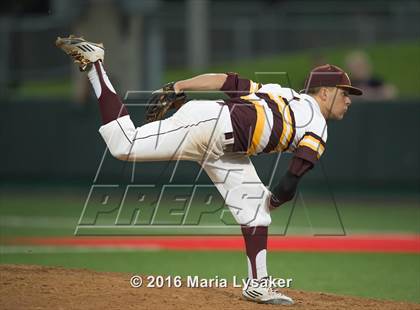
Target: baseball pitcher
[221, 135]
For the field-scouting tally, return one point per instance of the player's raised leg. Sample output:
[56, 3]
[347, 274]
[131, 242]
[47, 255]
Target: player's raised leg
[117, 128]
[170, 139]
[89, 56]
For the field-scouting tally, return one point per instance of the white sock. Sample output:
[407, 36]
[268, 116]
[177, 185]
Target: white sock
[260, 265]
[96, 82]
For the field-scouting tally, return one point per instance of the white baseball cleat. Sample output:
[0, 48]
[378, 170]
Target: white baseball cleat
[84, 53]
[266, 295]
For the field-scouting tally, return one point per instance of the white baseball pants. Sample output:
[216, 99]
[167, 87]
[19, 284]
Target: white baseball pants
[196, 132]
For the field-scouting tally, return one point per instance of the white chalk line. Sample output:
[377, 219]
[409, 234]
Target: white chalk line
[17, 249]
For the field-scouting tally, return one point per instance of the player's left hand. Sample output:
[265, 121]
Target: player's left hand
[162, 101]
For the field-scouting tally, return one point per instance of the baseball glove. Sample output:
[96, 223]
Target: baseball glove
[162, 101]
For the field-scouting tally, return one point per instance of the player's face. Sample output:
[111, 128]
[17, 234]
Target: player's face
[339, 102]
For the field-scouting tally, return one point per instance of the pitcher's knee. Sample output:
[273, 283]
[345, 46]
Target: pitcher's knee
[258, 219]
[251, 216]
[120, 150]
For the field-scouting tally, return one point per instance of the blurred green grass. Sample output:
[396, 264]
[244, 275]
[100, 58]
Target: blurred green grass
[384, 276]
[57, 88]
[397, 63]
[55, 212]
[44, 213]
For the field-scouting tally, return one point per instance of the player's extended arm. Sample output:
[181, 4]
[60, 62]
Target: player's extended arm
[286, 188]
[208, 81]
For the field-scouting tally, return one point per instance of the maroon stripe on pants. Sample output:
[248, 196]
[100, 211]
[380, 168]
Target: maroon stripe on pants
[255, 241]
[110, 104]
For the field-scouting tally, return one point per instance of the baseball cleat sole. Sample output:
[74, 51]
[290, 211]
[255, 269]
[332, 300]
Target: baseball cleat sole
[84, 53]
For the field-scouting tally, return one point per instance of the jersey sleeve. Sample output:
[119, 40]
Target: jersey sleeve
[236, 86]
[310, 147]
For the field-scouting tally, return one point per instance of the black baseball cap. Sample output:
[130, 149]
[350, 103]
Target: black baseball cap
[330, 76]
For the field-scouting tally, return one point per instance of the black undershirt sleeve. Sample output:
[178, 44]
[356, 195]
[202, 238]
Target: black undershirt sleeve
[286, 188]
